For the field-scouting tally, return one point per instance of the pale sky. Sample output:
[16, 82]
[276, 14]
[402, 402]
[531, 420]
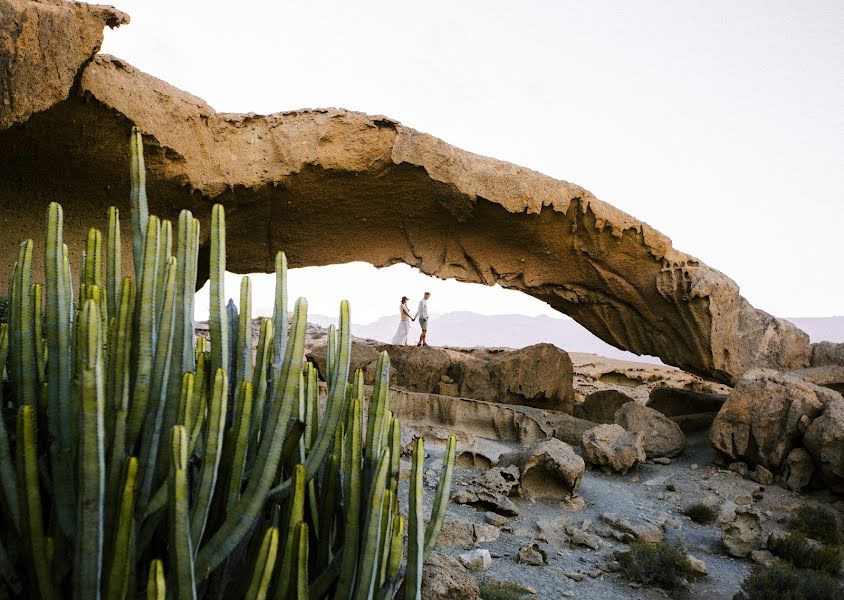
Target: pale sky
[720, 123]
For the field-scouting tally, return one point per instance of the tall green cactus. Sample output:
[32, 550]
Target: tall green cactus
[129, 462]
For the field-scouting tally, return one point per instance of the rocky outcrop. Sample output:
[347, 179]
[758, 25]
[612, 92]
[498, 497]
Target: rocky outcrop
[548, 470]
[831, 376]
[489, 420]
[825, 441]
[763, 418]
[539, 376]
[661, 437]
[298, 180]
[444, 578]
[827, 353]
[45, 44]
[612, 448]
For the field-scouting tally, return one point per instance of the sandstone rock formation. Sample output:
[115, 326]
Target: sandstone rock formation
[538, 375]
[825, 441]
[827, 353]
[612, 448]
[661, 437]
[329, 186]
[761, 419]
[45, 45]
[548, 469]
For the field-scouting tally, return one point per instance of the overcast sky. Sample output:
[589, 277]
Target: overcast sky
[720, 123]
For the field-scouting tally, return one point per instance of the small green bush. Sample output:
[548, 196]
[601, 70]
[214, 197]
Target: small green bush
[701, 513]
[797, 550]
[4, 309]
[664, 565]
[502, 590]
[817, 522]
[786, 583]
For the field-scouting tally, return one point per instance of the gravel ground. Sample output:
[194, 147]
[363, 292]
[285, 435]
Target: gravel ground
[641, 495]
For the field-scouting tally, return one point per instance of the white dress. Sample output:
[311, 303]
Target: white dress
[400, 339]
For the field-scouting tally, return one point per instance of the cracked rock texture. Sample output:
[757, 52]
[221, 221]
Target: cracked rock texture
[333, 186]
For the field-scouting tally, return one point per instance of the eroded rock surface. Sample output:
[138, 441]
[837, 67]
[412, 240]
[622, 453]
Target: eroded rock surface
[548, 469]
[331, 186]
[760, 421]
[612, 448]
[44, 44]
[825, 441]
[660, 435]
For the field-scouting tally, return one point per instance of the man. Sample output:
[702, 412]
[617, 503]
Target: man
[422, 315]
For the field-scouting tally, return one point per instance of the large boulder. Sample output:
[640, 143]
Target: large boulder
[825, 441]
[549, 469]
[827, 353]
[418, 369]
[538, 375]
[444, 578]
[362, 356]
[797, 470]
[601, 406]
[759, 422]
[612, 448]
[296, 180]
[831, 376]
[660, 435]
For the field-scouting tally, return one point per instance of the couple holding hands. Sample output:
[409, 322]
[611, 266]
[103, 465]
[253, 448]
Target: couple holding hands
[400, 339]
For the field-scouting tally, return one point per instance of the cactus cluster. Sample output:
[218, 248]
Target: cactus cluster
[136, 460]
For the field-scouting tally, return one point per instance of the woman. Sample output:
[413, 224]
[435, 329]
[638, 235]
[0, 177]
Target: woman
[400, 339]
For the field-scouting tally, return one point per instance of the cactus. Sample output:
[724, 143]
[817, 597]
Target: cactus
[132, 461]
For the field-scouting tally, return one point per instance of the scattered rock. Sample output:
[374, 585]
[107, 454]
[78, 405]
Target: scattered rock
[660, 435]
[697, 565]
[532, 554]
[764, 558]
[499, 480]
[798, 469]
[496, 519]
[612, 448]
[485, 533]
[444, 578]
[476, 560]
[575, 576]
[824, 439]
[661, 460]
[552, 530]
[549, 469]
[487, 500]
[456, 531]
[762, 475]
[744, 534]
[578, 537]
[646, 532]
[738, 467]
[601, 406]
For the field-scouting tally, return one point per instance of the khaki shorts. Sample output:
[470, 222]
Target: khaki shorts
[423, 323]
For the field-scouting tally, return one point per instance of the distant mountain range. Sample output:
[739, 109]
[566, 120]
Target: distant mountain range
[468, 329]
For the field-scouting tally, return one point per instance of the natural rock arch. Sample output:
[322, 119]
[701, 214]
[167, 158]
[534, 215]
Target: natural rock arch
[333, 186]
